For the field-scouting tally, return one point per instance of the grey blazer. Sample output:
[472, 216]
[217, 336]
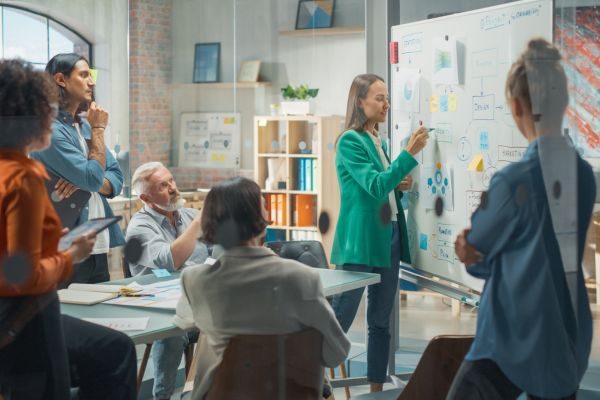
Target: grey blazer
[251, 290]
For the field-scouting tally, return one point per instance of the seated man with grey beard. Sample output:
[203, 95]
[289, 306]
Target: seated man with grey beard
[168, 234]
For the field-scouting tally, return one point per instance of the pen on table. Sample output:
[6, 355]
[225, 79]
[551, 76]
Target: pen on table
[137, 295]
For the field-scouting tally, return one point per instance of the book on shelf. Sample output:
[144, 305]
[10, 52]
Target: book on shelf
[301, 174]
[273, 208]
[308, 182]
[281, 209]
[305, 210]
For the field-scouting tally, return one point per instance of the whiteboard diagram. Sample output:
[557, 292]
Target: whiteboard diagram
[210, 140]
[462, 62]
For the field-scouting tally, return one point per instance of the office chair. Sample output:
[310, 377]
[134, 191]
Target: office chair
[311, 253]
[434, 373]
[270, 367]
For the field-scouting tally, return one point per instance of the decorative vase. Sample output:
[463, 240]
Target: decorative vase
[298, 107]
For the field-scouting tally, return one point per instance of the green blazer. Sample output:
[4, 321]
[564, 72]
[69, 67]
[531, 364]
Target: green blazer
[360, 235]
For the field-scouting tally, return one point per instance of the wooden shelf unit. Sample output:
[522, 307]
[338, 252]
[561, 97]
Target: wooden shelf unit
[280, 137]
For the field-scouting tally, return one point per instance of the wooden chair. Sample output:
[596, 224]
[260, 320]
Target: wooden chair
[268, 367]
[311, 253]
[188, 352]
[434, 373]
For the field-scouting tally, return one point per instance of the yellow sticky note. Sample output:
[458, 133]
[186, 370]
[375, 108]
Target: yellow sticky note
[229, 120]
[452, 102]
[434, 104]
[262, 122]
[94, 74]
[220, 157]
[476, 163]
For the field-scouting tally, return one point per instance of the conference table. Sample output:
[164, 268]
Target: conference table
[160, 324]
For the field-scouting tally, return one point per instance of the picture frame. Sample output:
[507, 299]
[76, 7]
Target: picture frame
[207, 62]
[315, 14]
[249, 71]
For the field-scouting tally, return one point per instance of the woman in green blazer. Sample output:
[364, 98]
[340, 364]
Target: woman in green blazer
[371, 230]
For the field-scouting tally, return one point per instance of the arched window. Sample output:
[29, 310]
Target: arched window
[36, 38]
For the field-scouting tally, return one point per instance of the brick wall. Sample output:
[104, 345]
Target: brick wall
[150, 43]
[150, 95]
[187, 177]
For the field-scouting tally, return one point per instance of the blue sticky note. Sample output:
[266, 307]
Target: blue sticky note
[444, 103]
[423, 241]
[160, 272]
[484, 143]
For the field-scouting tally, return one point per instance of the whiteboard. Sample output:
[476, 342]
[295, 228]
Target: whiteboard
[450, 75]
[210, 140]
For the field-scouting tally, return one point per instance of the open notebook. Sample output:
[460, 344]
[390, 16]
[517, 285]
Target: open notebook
[87, 294]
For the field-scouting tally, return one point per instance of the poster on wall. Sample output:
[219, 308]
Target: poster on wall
[210, 140]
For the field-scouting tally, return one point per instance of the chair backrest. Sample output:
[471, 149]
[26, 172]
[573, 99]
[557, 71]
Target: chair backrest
[437, 368]
[125, 268]
[309, 252]
[270, 367]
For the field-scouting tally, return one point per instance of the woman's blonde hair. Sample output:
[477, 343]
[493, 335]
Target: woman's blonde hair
[537, 79]
[355, 116]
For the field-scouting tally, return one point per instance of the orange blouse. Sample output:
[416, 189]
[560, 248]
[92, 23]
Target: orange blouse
[29, 226]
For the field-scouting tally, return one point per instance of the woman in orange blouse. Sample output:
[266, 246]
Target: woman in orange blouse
[33, 356]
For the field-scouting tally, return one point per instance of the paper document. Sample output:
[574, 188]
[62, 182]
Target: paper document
[121, 324]
[163, 295]
[69, 296]
[91, 287]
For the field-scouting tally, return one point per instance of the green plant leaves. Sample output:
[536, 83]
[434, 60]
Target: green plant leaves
[302, 92]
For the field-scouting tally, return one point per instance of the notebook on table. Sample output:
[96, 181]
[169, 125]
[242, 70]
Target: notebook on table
[88, 294]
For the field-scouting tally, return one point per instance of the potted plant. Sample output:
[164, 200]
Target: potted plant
[296, 99]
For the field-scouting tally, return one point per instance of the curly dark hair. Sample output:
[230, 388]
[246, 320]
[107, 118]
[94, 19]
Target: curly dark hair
[28, 103]
[232, 213]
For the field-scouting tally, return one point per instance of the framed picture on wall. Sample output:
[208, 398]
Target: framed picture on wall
[249, 71]
[314, 14]
[207, 59]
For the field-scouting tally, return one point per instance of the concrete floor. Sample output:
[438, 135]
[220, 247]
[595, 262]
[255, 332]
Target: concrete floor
[422, 318]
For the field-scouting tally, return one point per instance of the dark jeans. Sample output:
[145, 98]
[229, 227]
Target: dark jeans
[35, 366]
[93, 270]
[54, 352]
[483, 379]
[103, 361]
[380, 304]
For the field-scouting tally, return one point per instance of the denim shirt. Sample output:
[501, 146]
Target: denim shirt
[65, 158]
[527, 323]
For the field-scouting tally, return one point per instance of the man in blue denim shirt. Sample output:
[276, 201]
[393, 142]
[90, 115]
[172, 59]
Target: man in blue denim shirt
[534, 326]
[79, 156]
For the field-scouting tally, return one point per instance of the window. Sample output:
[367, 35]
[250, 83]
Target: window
[36, 38]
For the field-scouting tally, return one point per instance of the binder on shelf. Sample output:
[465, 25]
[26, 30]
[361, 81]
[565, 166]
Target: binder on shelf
[273, 208]
[305, 209]
[301, 174]
[314, 175]
[308, 183]
[281, 210]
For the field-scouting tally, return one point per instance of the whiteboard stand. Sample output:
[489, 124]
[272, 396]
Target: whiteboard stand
[435, 283]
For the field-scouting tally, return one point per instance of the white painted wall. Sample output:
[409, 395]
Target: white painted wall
[249, 29]
[105, 24]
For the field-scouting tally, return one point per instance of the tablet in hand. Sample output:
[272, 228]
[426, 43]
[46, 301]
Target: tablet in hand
[92, 225]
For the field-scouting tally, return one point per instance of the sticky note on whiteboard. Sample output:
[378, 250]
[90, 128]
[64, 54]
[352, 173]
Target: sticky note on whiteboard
[452, 102]
[434, 104]
[423, 241]
[476, 163]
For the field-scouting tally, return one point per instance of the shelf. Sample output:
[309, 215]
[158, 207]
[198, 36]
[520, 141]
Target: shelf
[302, 192]
[224, 85]
[273, 155]
[310, 155]
[279, 191]
[304, 228]
[338, 30]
